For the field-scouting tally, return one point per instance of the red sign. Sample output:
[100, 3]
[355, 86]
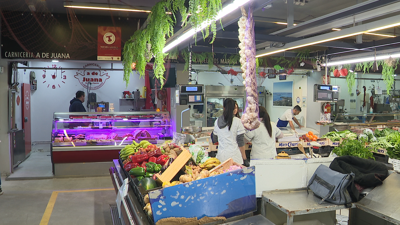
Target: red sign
[109, 43]
[92, 75]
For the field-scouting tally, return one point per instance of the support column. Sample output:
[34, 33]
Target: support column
[290, 16]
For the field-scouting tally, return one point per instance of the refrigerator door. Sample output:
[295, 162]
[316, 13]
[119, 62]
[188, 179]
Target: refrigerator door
[215, 108]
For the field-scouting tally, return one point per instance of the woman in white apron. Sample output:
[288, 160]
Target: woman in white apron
[229, 133]
[263, 138]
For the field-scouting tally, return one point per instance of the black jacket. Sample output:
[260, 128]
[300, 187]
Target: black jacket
[368, 173]
[76, 106]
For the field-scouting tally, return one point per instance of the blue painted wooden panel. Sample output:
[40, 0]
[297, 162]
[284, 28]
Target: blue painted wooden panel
[228, 194]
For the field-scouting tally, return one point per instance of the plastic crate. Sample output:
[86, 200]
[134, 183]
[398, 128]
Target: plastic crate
[396, 164]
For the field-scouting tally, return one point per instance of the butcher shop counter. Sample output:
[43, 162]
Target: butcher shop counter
[84, 144]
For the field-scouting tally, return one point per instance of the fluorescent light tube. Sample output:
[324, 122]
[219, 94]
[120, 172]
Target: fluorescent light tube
[192, 31]
[106, 8]
[382, 35]
[364, 59]
[361, 29]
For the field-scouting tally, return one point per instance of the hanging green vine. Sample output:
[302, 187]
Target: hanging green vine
[198, 58]
[202, 11]
[149, 42]
[134, 51]
[388, 68]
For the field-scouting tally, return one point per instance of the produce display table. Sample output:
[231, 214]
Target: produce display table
[296, 205]
[380, 206]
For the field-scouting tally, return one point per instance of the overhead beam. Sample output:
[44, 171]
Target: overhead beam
[355, 9]
[199, 48]
[275, 38]
[350, 19]
[378, 45]
[324, 38]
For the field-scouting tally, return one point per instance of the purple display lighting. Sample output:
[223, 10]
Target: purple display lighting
[109, 130]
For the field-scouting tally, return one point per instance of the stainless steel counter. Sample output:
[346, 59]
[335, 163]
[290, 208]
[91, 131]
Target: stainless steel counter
[297, 203]
[382, 202]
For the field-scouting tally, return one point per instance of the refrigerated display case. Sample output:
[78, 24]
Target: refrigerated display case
[83, 143]
[215, 96]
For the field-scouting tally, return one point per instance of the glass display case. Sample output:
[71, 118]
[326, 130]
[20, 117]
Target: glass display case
[109, 128]
[84, 144]
[346, 121]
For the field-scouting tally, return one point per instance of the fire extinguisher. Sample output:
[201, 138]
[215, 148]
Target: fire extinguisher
[326, 108]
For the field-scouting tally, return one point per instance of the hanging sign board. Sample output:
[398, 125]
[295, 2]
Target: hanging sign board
[109, 43]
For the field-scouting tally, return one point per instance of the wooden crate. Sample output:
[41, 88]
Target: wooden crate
[225, 165]
[175, 166]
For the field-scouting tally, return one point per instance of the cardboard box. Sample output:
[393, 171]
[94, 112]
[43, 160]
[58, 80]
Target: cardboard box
[287, 144]
[322, 142]
[228, 194]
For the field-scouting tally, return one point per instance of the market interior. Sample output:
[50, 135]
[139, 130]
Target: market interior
[200, 111]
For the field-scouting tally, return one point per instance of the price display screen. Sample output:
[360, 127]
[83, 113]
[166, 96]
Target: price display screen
[191, 88]
[195, 98]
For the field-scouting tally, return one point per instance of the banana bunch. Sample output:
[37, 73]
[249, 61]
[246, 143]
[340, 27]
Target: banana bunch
[132, 149]
[210, 163]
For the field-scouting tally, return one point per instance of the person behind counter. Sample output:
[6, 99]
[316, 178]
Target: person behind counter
[288, 118]
[76, 103]
[229, 133]
[263, 138]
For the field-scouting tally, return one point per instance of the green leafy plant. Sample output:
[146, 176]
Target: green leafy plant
[202, 11]
[198, 58]
[351, 80]
[353, 148]
[388, 68]
[150, 41]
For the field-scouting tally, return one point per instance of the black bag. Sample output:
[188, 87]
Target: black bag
[332, 186]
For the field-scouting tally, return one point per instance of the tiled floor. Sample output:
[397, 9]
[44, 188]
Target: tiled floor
[36, 166]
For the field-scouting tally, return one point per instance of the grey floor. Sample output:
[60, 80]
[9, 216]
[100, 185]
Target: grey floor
[36, 166]
[24, 202]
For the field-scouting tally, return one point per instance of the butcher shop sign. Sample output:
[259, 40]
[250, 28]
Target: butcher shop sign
[92, 76]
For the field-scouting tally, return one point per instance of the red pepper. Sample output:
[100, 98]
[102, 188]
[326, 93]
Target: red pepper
[143, 164]
[162, 159]
[130, 166]
[139, 158]
[156, 153]
[153, 159]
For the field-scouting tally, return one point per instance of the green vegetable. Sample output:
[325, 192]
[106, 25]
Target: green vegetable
[138, 171]
[157, 168]
[140, 178]
[363, 137]
[149, 175]
[200, 156]
[150, 167]
[147, 183]
[336, 136]
[353, 148]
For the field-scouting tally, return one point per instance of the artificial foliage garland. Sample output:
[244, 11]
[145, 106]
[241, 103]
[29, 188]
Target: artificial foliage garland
[151, 40]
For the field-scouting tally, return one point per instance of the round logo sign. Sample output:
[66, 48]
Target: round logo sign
[109, 38]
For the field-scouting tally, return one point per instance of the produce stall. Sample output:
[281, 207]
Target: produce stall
[85, 143]
[168, 177]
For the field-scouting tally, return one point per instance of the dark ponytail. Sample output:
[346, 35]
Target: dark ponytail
[229, 106]
[262, 113]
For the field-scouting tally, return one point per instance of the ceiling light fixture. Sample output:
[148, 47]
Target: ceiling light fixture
[284, 23]
[382, 35]
[308, 44]
[192, 31]
[353, 31]
[364, 59]
[336, 29]
[102, 7]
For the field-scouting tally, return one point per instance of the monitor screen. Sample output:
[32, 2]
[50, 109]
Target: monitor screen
[191, 88]
[101, 105]
[325, 87]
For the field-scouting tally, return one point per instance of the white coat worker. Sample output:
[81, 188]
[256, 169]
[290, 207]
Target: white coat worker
[229, 133]
[263, 138]
[288, 118]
